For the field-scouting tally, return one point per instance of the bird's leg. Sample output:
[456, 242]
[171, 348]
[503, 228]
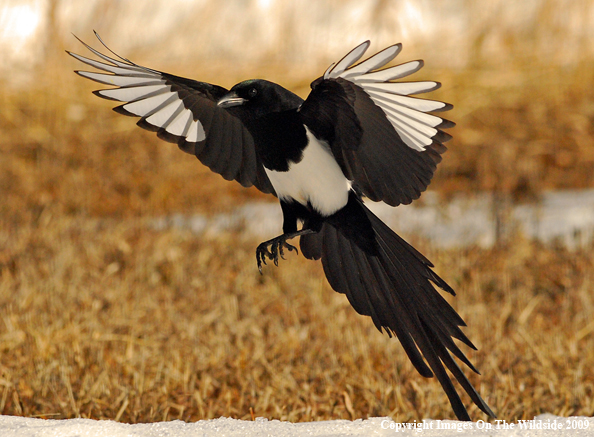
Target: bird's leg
[277, 246]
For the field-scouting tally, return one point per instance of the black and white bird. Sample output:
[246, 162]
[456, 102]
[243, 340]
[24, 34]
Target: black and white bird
[358, 134]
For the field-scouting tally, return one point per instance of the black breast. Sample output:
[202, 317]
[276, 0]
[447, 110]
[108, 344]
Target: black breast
[280, 138]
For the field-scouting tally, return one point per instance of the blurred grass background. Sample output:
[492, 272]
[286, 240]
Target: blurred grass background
[103, 316]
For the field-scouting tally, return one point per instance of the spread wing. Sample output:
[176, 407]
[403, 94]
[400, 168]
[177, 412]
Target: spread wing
[385, 141]
[181, 111]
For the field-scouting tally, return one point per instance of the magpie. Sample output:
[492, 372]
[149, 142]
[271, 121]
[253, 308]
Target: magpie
[359, 134]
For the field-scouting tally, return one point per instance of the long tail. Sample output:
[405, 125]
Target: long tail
[387, 279]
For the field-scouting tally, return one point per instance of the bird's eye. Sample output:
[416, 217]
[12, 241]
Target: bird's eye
[252, 92]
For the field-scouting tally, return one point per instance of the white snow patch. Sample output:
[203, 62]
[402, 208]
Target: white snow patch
[543, 425]
[564, 216]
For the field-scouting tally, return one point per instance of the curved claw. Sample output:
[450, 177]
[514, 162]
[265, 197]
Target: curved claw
[261, 253]
[291, 248]
[277, 246]
[274, 251]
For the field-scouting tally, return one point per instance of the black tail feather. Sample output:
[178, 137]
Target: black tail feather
[387, 279]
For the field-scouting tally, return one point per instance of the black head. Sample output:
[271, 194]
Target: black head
[260, 97]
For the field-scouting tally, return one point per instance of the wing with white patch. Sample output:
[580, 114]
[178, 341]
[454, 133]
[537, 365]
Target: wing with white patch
[385, 141]
[181, 111]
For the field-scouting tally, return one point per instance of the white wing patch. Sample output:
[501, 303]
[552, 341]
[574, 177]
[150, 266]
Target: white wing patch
[145, 107]
[112, 79]
[147, 92]
[165, 115]
[406, 114]
[181, 123]
[132, 93]
[195, 132]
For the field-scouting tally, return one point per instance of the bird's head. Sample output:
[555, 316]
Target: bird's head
[260, 97]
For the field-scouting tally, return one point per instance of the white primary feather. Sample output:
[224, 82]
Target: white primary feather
[421, 105]
[179, 125]
[328, 70]
[145, 107]
[352, 57]
[130, 94]
[391, 73]
[406, 114]
[376, 61]
[162, 117]
[123, 71]
[147, 92]
[112, 79]
[401, 88]
[413, 138]
[388, 105]
[412, 122]
[124, 63]
[195, 132]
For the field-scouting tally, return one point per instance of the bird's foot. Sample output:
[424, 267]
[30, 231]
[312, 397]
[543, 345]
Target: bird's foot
[277, 246]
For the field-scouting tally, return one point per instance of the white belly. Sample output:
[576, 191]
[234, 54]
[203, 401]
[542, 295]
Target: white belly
[316, 179]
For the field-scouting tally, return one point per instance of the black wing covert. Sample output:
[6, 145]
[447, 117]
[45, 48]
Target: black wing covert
[181, 111]
[384, 140]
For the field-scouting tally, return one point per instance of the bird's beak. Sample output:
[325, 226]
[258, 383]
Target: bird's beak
[230, 99]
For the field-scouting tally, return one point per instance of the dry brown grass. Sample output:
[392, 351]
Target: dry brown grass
[102, 316]
[520, 131]
[108, 318]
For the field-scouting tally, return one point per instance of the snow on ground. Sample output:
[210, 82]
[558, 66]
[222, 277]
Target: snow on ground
[565, 216]
[542, 426]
